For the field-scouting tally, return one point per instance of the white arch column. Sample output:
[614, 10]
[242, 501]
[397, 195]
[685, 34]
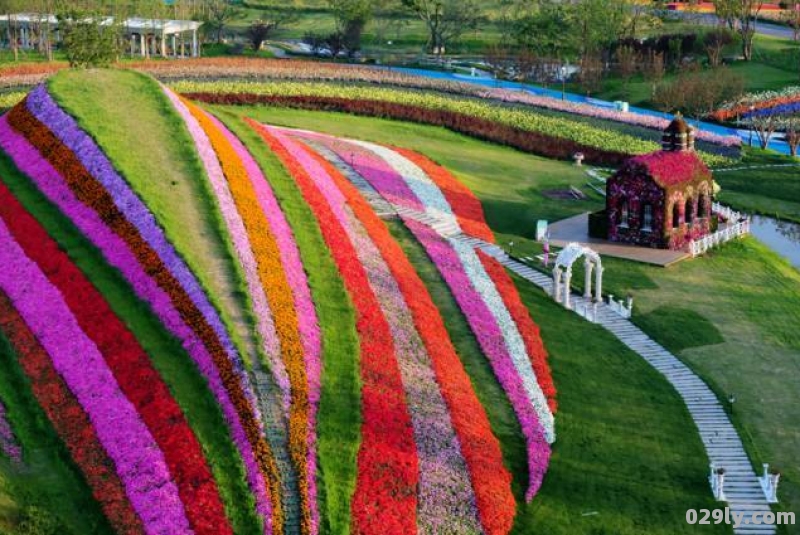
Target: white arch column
[567, 292]
[557, 284]
[598, 285]
[587, 286]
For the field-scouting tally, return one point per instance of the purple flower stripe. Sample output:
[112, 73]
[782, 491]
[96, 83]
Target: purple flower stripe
[241, 242]
[138, 460]
[8, 442]
[308, 326]
[117, 253]
[42, 106]
[446, 498]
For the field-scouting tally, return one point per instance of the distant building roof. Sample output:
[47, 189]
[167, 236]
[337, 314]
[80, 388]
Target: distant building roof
[671, 168]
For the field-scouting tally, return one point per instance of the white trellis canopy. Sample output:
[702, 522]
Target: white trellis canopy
[566, 258]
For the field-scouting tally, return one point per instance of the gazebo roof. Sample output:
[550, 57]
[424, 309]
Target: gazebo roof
[671, 168]
[678, 126]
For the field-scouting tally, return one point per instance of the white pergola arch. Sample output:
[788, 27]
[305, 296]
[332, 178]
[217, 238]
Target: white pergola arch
[563, 266]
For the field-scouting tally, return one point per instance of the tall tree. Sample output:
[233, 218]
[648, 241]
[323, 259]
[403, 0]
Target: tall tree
[351, 17]
[446, 20]
[740, 16]
[218, 14]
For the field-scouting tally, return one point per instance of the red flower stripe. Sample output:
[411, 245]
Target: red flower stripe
[481, 450]
[385, 498]
[527, 327]
[89, 191]
[131, 366]
[70, 422]
[466, 207]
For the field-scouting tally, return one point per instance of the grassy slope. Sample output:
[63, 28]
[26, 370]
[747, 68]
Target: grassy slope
[152, 149]
[181, 375]
[595, 483]
[339, 414]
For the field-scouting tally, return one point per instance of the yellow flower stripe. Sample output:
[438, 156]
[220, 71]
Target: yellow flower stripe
[279, 294]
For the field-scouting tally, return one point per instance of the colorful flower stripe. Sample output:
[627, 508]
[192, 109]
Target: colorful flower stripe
[385, 499]
[310, 334]
[138, 459]
[491, 481]
[465, 205]
[279, 293]
[238, 233]
[116, 252]
[70, 422]
[132, 369]
[490, 338]
[8, 442]
[403, 183]
[445, 494]
[224, 372]
[469, 212]
[527, 327]
[760, 102]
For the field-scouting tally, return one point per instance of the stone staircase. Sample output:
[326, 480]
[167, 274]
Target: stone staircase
[276, 431]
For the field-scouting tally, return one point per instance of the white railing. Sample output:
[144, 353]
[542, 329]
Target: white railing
[730, 232]
[727, 213]
[623, 308]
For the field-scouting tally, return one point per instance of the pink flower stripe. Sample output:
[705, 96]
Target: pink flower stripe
[310, 335]
[446, 498]
[241, 242]
[139, 462]
[118, 254]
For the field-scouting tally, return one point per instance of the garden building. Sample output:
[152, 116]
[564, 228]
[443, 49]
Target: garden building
[662, 199]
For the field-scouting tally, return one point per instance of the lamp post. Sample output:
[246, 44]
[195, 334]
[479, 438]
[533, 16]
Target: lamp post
[511, 248]
[752, 108]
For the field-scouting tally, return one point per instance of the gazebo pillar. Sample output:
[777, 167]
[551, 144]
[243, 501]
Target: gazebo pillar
[174, 50]
[587, 286]
[567, 292]
[163, 45]
[194, 43]
[133, 45]
[557, 284]
[143, 43]
[598, 286]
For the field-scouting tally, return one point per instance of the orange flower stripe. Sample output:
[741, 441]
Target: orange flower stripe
[281, 301]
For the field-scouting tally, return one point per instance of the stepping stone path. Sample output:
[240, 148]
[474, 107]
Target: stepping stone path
[722, 443]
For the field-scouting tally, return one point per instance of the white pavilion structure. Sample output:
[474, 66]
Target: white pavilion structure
[146, 37]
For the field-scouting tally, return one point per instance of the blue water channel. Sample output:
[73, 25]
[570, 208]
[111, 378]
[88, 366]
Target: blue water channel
[745, 135]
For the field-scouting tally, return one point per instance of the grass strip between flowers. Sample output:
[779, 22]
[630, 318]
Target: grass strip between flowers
[338, 424]
[228, 379]
[385, 496]
[490, 480]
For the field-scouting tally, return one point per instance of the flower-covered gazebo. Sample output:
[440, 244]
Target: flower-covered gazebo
[662, 199]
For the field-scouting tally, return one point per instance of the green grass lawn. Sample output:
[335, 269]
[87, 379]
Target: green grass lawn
[153, 151]
[771, 191]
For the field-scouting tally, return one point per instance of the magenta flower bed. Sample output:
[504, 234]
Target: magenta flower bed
[139, 462]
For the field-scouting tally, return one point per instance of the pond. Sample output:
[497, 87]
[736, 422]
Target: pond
[782, 237]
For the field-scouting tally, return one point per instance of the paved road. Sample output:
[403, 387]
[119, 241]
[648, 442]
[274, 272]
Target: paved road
[764, 28]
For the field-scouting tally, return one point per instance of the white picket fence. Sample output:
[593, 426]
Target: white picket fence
[737, 225]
